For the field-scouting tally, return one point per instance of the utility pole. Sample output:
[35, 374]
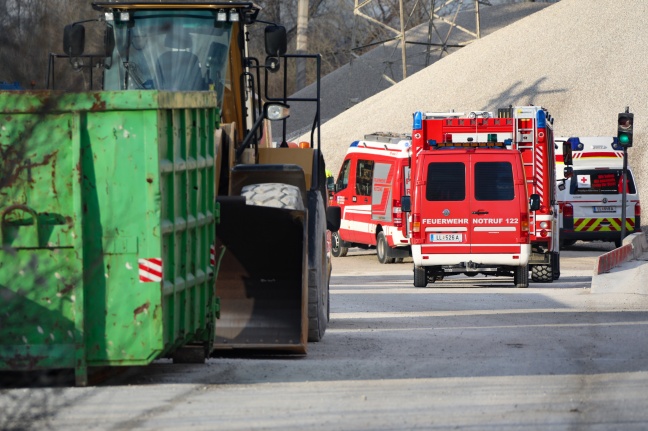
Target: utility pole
[302, 42]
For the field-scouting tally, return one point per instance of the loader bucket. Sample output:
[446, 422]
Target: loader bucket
[262, 281]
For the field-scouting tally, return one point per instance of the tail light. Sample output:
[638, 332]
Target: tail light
[524, 227]
[637, 209]
[397, 214]
[416, 225]
[568, 210]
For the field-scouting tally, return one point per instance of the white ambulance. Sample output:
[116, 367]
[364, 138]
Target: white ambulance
[590, 193]
[374, 176]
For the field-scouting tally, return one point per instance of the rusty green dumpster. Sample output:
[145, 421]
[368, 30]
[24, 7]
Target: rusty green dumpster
[107, 217]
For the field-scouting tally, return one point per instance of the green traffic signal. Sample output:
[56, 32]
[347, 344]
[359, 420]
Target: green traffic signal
[624, 131]
[624, 139]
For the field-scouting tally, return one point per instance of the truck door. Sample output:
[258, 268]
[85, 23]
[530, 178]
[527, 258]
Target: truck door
[445, 206]
[384, 175]
[472, 204]
[496, 204]
[353, 196]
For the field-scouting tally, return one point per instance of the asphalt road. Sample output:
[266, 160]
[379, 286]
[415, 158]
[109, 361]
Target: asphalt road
[464, 353]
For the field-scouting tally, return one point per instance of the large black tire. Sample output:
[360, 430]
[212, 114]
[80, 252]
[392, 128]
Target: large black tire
[318, 273]
[337, 247]
[542, 273]
[382, 248]
[555, 265]
[420, 276]
[521, 276]
[274, 195]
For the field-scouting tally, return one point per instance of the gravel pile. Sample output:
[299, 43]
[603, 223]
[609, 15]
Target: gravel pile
[583, 61]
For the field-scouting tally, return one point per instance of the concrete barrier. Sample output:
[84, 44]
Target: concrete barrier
[633, 246]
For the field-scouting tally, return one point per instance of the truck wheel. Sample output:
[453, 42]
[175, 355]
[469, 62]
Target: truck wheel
[521, 276]
[420, 276]
[541, 273]
[318, 274]
[337, 249]
[555, 265]
[274, 195]
[381, 249]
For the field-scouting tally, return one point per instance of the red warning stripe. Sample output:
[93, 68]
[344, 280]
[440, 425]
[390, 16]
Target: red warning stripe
[150, 270]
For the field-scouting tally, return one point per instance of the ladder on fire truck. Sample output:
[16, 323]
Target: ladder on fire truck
[524, 140]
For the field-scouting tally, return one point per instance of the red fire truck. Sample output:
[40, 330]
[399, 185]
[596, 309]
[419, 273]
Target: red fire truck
[373, 177]
[484, 196]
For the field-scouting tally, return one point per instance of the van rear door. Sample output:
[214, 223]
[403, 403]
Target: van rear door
[497, 203]
[473, 203]
[445, 205]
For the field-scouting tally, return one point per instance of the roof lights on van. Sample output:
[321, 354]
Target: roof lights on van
[576, 144]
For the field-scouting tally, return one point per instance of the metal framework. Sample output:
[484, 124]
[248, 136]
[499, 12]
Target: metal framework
[361, 6]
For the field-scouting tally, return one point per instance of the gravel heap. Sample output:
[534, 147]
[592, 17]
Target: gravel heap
[583, 61]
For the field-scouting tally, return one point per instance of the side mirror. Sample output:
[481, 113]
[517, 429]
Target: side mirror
[568, 172]
[330, 184]
[74, 40]
[275, 45]
[275, 40]
[567, 153]
[534, 202]
[333, 217]
[406, 204]
[561, 185]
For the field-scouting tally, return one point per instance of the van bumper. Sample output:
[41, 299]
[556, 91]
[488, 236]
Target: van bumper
[491, 259]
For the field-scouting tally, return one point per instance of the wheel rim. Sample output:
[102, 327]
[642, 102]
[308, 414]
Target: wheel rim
[335, 240]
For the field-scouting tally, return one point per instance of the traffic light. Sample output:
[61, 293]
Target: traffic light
[624, 133]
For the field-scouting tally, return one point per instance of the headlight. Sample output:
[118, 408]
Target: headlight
[276, 111]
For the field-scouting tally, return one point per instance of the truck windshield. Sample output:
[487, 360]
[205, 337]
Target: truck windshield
[170, 50]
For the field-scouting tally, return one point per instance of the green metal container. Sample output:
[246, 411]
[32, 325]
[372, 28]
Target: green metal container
[108, 216]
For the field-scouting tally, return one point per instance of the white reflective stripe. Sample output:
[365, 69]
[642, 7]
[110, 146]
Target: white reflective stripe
[147, 276]
[148, 264]
[544, 217]
[357, 209]
[495, 229]
[446, 229]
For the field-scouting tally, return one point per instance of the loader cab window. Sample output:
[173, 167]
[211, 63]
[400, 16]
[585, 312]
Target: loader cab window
[364, 175]
[170, 50]
[343, 177]
[446, 182]
[494, 181]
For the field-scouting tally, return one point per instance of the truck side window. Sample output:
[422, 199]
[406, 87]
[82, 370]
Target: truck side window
[446, 182]
[343, 177]
[364, 175]
[494, 181]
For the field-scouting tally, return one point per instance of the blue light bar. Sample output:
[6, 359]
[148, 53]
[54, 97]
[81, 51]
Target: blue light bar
[542, 119]
[576, 144]
[418, 121]
[615, 144]
[354, 144]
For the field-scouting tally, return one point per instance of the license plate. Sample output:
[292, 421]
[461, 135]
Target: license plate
[604, 209]
[446, 237]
